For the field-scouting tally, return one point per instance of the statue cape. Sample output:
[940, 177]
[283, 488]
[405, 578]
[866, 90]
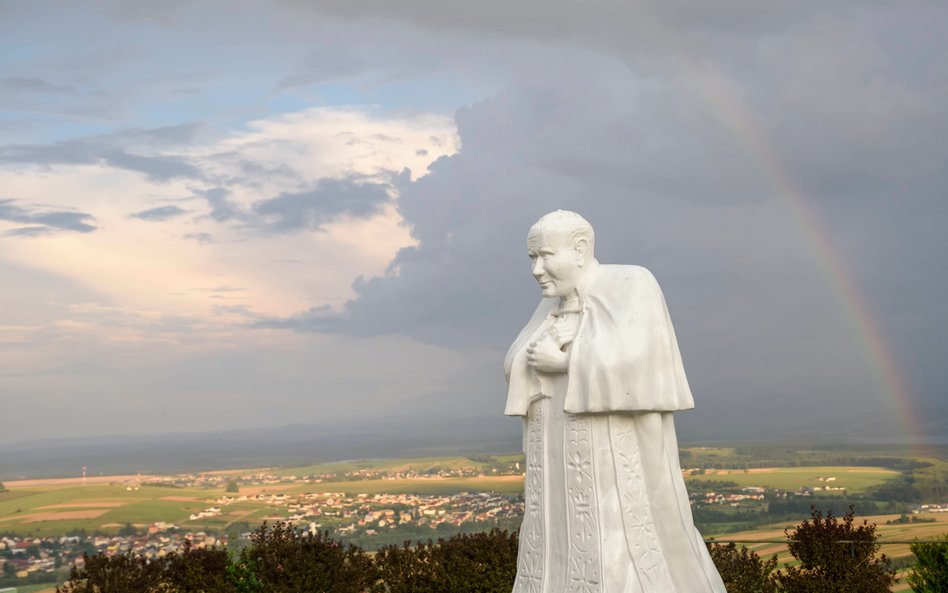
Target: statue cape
[624, 357]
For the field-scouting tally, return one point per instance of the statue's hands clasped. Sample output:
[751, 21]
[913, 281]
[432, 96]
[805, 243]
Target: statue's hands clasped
[546, 355]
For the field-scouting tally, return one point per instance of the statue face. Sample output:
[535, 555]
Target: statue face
[557, 262]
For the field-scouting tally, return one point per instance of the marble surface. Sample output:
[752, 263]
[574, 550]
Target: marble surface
[596, 375]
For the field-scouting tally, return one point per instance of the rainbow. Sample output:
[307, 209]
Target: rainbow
[728, 106]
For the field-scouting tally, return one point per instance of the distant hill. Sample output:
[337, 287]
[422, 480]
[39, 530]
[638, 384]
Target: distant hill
[399, 437]
[291, 445]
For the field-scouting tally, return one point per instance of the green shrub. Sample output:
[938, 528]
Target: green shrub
[930, 573]
[285, 560]
[835, 556]
[199, 570]
[743, 571]
[122, 573]
[464, 563]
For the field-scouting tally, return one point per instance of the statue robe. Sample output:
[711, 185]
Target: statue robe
[606, 510]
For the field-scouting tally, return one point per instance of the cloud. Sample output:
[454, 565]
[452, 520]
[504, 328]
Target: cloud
[160, 213]
[322, 65]
[223, 209]
[328, 201]
[690, 173]
[754, 157]
[44, 221]
[202, 238]
[123, 150]
[29, 231]
[33, 85]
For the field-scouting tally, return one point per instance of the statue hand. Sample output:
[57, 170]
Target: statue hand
[546, 356]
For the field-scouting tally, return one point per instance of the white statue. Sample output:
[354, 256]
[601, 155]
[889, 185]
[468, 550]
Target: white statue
[596, 375]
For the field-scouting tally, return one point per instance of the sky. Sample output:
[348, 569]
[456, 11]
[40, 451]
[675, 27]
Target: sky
[227, 215]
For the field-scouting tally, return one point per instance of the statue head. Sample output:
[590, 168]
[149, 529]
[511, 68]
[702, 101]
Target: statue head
[561, 246]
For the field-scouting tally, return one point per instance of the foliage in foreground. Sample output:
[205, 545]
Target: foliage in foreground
[930, 573]
[285, 560]
[281, 559]
[743, 571]
[836, 555]
[465, 563]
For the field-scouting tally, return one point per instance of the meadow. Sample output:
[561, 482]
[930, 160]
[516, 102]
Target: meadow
[421, 465]
[41, 510]
[900, 533]
[56, 507]
[855, 479]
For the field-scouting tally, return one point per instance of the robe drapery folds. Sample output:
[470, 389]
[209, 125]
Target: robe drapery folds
[605, 505]
[624, 357]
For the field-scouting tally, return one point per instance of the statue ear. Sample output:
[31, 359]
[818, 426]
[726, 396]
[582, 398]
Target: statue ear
[581, 246]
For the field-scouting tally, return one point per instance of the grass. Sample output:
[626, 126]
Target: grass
[855, 479]
[143, 506]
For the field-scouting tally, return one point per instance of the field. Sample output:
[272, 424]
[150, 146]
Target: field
[55, 509]
[887, 533]
[107, 504]
[420, 465]
[854, 479]
[58, 509]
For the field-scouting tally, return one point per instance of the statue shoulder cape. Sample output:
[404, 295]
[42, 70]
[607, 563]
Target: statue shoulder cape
[625, 356]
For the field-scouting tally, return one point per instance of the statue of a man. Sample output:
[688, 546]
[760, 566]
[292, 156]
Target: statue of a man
[596, 375]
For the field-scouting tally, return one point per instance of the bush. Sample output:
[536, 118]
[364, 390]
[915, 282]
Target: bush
[835, 556]
[285, 560]
[464, 563]
[280, 559]
[122, 573]
[930, 573]
[743, 571]
[199, 570]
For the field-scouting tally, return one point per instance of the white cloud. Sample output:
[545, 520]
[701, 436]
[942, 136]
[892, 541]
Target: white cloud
[146, 264]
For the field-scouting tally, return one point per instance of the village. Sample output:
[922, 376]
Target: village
[237, 502]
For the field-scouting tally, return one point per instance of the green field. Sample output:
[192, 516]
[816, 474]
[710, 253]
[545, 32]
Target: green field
[53, 508]
[886, 533]
[420, 465]
[40, 510]
[502, 484]
[59, 509]
[855, 479]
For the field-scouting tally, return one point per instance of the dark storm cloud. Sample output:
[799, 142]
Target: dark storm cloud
[118, 150]
[160, 213]
[604, 22]
[330, 199]
[700, 172]
[43, 221]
